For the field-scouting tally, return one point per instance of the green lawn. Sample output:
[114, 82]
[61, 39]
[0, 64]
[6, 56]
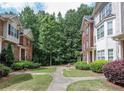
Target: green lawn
[79, 73]
[44, 70]
[93, 85]
[26, 82]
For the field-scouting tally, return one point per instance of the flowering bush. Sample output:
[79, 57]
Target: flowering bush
[114, 72]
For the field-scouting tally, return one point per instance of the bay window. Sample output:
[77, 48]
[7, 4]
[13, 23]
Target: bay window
[105, 11]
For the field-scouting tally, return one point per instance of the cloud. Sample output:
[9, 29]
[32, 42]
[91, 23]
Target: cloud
[62, 7]
[18, 6]
[49, 7]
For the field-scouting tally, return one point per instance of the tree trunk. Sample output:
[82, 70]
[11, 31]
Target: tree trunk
[50, 59]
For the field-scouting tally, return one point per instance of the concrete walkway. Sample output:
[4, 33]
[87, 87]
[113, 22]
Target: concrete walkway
[60, 82]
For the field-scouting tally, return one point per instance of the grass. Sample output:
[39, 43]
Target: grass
[25, 82]
[44, 70]
[93, 85]
[79, 73]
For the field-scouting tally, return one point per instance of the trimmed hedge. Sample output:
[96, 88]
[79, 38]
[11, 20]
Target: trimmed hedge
[4, 70]
[25, 65]
[114, 72]
[81, 65]
[97, 65]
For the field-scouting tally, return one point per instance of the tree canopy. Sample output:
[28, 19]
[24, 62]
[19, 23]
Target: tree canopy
[57, 39]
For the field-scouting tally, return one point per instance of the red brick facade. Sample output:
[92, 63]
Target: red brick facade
[26, 42]
[87, 39]
[22, 50]
[15, 48]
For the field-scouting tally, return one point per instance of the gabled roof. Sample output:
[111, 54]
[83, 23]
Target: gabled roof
[6, 17]
[88, 18]
[98, 7]
[27, 33]
[23, 31]
[9, 16]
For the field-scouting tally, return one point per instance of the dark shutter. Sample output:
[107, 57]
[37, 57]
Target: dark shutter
[9, 28]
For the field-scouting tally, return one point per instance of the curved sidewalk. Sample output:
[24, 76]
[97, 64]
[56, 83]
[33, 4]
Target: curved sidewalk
[60, 82]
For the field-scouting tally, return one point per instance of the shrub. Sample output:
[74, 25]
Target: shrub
[17, 66]
[82, 65]
[97, 65]
[114, 72]
[3, 57]
[25, 65]
[4, 71]
[10, 55]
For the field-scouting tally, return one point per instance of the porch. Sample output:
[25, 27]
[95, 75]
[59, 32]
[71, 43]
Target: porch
[120, 40]
[89, 55]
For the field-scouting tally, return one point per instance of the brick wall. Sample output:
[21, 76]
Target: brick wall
[28, 44]
[14, 47]
[91, 34]
[87, 38]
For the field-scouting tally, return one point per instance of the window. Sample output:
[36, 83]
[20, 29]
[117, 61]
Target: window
[102, 13]
[108, 9]
[12, 31]
[105, 11]
[101, 55]
[110, 54]
[109, 28]
[98, 54]
[100, 32]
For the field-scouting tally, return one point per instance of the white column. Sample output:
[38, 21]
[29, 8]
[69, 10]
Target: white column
[25, 54]
[93, 56]
[19, 54]
[0, 45]
[87, 58]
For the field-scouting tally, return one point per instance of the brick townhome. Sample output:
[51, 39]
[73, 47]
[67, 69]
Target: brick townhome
[88, 51]
[108, 32]
[11, 31]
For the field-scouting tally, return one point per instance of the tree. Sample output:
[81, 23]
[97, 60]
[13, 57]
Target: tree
[10, 55]
[56, 39]
[3, 56]
[29, 20]
[72, 33]
[49, 34]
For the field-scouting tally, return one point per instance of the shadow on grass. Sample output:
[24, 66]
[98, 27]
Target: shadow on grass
[36, 69]
[14, 79]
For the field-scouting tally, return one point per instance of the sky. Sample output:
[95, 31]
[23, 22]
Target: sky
[49, 7]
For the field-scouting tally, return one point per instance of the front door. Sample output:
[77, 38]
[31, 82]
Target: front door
[22, 54]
